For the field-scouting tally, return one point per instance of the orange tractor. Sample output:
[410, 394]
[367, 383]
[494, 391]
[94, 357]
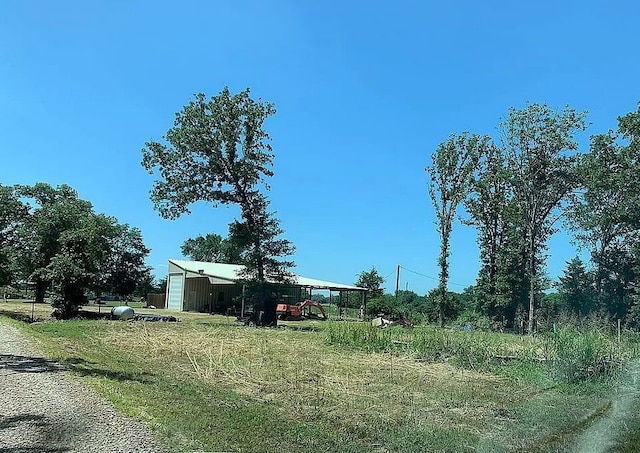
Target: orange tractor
[301, 311]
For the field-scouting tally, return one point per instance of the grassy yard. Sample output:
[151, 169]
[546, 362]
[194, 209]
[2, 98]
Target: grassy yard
[207, 383]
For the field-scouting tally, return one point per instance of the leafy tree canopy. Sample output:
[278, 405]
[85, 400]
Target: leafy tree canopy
[576, 286]
[219, 152]
[62, 245]
[451, 176]
[213, 248]
[372, 281]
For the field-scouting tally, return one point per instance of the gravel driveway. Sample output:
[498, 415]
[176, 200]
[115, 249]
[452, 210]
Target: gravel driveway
[43, 410]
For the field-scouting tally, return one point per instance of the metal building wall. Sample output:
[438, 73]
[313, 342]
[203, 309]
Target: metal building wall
[202, 296]
[226, 296]
[197, 294]
[294, 293]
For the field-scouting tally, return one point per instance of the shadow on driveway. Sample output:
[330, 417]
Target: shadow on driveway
[26, 364]
[28, 423]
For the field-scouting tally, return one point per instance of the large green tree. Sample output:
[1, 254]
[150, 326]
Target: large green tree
[490, 211]
[213, 248]
[12, 212]
[65, 248]
[123, 267]
[52, 211]
[451, 175]
[522, 188]
[372, 281]
[606, 217]
[577, 289]
[98, 254]
[539, 144]
[82, 249]
[219, 152]
[502, 284]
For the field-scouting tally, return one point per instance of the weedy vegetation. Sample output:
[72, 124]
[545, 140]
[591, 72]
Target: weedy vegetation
[207, 383]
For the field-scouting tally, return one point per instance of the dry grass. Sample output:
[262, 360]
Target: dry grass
[25, 310]
[367, 401]
[308, 380]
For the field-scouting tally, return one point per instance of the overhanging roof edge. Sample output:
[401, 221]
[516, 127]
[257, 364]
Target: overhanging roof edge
[229, 273]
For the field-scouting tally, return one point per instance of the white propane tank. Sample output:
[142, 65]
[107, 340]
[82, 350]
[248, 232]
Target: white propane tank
[122, 312]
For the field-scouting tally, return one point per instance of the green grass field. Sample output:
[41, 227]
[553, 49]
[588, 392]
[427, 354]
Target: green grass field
[207, 383]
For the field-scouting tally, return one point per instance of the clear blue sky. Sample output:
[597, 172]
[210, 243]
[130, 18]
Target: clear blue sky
[365, 91]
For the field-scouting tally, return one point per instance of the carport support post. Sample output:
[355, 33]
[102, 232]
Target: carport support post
[363, 304]
[242, 307]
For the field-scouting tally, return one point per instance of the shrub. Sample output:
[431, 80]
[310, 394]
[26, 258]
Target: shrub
[474, 319]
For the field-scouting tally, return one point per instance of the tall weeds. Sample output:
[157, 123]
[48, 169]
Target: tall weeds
[569, 354]
[574, 355]
[472, 350]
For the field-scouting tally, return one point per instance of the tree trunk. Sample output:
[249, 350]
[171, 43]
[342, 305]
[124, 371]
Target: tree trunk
[532, 275]
[493, 272]
[444, 275]
[41, 289]
[267, 316]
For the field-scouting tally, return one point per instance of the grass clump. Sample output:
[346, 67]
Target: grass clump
[575, 355]
[363, 336]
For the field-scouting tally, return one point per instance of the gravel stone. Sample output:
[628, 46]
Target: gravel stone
[43, 409]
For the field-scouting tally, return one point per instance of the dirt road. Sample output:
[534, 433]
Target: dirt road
[42, 409]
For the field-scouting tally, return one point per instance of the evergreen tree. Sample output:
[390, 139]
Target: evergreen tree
[576, 288]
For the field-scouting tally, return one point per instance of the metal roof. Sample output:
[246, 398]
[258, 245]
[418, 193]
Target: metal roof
[220, 273]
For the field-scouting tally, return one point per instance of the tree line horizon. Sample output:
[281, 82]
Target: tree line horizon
[516, 190]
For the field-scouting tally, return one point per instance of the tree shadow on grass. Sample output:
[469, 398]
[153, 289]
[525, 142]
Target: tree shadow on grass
[27, 364]
[82, 314]
[299, 328]
[21, 316]
[94, 315]
[87, 368]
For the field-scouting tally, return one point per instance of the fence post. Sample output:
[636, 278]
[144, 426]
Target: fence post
[618, 331]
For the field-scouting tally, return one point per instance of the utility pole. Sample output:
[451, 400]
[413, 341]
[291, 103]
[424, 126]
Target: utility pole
[397, 281]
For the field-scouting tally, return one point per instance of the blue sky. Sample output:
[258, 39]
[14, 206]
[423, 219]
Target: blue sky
[365, 91]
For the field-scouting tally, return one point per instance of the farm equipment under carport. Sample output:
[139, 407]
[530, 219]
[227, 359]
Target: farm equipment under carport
[301, 311]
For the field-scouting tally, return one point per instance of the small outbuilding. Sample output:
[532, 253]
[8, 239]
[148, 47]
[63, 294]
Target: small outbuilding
[216, 287]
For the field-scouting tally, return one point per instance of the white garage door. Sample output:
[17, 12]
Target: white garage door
[176, 289]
